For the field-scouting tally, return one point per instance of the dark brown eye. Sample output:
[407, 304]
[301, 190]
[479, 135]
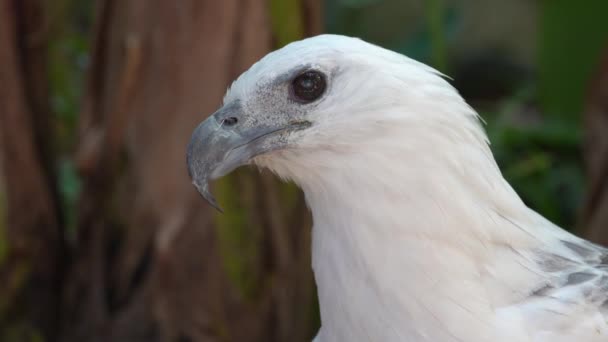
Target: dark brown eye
[308, 86]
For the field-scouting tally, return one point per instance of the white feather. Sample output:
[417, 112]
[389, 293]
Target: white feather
[417, 236]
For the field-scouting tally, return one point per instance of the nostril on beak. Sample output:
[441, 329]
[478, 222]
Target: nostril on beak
[230, 121]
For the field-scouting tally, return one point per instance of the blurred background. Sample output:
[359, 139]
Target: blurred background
[102, 236]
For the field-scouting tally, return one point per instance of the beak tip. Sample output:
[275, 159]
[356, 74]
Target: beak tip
[214, 204]
[208, 196]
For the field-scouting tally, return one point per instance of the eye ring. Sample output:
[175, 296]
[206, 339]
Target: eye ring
[308, 86]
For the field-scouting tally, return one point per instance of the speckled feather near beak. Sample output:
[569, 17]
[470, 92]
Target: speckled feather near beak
[229, 139]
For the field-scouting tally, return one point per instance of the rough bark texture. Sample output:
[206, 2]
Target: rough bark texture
[595, 213]
[153, 261]
[30, 257]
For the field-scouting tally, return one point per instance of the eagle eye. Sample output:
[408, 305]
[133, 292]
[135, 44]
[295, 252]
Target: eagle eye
[308, 86]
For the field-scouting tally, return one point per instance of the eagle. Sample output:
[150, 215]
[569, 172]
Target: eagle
[417, 236]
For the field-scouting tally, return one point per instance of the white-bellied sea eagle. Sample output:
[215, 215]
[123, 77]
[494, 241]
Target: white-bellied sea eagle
[417, 236]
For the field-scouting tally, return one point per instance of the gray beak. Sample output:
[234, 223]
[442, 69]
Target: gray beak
[229, 139]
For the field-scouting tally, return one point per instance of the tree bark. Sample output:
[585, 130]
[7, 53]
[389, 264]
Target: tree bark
[595, 212]
[31, 253]
[153, 262]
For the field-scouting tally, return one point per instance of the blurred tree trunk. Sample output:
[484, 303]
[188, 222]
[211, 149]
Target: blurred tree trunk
[154, 262]
[595, 213]
[31, 243]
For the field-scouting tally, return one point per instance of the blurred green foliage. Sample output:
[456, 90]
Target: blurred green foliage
[573, 35]
[435, 13]
[287, 21]
[239, 238]
[21, 332]
[540, 157]
[69, 43]
[69, 189]
[417, 29]
[13, 326]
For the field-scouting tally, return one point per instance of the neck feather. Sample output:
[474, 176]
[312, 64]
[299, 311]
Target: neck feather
[388, 211]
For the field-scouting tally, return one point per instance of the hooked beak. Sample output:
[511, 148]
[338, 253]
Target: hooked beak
[227, 140]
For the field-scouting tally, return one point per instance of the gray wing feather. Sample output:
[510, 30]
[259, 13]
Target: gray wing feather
[584, 273]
